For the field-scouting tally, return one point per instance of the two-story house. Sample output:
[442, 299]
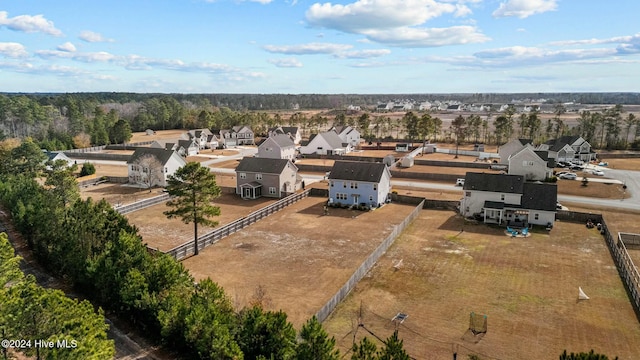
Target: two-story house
[326, 143]
[279, 146]
[292, 131]
[256, 177]
[532, 164]
[581, 148]
[152, 166]
[200, 136]
[348, 135]
[508, 199]
[512, 147]
[237, 135]
[356, 183]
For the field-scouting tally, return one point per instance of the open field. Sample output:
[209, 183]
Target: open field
[298, 256]
[528, 287]
[624, 164]
[159, 135]
[164, 234]
[593, 189]
[117, 193]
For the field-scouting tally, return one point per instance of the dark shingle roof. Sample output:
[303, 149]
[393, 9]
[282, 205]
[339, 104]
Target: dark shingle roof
[502, 183]
[162, 155]
[186, 143]
[262, 165]
[357, 171]
[282, 140]
[525, 141]
[540, 196]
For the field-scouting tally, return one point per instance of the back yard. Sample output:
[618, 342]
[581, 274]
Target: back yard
[528, 288]
[298, 256]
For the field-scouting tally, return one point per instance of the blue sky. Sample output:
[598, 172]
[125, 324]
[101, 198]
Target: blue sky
[300, 46]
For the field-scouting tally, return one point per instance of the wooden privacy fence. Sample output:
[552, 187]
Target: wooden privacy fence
[368, 263]
[125, 209]
[627, 269]
[182, 251]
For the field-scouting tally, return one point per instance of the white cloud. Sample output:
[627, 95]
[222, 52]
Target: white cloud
[363, 54]
[29, 24]
[89, 57]
[12, 50]
[307, 49]
[376, 14]
[614, 40]
[68, 47]
[93, 37]
[397, 23]
[524, 8]
[427, 37]
[286, 63]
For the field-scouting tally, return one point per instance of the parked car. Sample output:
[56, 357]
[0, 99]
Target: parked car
[560, 173]
[460, 182]
[568, 176]
[597, 172]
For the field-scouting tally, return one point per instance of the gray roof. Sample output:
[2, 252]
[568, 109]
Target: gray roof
[332, 139]
[282, 140]
[357, 171]
[186, 143]
[540, 196]
[502, 183]
[525, 141]
[161, 154]
[262, 165]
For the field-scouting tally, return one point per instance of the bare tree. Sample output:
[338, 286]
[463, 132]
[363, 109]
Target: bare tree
[151, 171]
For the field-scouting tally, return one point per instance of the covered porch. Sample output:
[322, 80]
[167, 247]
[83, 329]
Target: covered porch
[252, 190]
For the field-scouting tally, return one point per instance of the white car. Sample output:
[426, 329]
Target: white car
[568, 176]
[598, 172]
[460, 182]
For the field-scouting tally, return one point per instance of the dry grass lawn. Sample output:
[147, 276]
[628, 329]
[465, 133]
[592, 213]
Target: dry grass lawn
[298, 256]
[593, 189]
[624, 164]
[164, 234]
[159, 135]
[117, 193]
[528, 287]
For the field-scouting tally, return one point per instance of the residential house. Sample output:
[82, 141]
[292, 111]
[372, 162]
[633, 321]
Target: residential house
[53, 156]
[512, 147]
[348, 135]
[359, 183]
[237, 135]
[278, 146]
[258, 177]
[508, 199]
[581, 148]
[292, 131]
[326, 143]
[532, 164]
[201, 137]
[188, 147]
[152, 166]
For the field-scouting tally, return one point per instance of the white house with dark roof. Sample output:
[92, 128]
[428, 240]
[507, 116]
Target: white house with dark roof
[532, 164]
[188, 147]
[141, 166]
[508, 199]
[581, 147]
[359, 183]
[237, 135]
[200, 136]
[292, 131]
[256, 177]
[348, 135]
[279, 146]
[326, 143]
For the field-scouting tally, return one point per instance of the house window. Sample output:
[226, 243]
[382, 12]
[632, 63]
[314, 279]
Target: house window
[331, 183]
[527, 163]
[166, 170]
[375, 187]
[502, 197]
[258, 176]
[535, 216]
[354, 185]
[341, 196]
[467, 193]
[243, 175]
[272, 190]
[370, 197]
[344, 184]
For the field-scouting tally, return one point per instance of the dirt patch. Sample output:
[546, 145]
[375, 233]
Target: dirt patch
[299, 256]
[161, 233]
[528, 287]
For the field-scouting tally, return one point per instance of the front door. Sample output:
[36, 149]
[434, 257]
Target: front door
[246, 193]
